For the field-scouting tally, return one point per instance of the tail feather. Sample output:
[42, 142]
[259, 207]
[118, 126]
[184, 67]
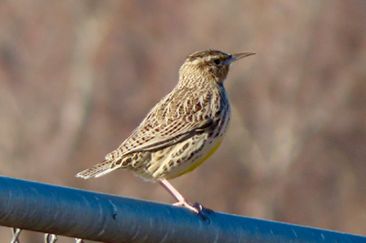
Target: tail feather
[97, 170]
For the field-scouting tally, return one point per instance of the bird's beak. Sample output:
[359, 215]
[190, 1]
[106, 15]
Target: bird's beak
[238, 56]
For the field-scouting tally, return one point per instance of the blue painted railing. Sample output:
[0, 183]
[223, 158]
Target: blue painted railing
[107, 218]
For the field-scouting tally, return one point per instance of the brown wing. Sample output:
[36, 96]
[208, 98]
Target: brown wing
[177, 117]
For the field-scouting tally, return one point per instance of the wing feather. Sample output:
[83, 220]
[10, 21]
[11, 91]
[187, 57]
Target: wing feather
[171, 122]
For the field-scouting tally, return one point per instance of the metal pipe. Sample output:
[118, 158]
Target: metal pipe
[107, 218]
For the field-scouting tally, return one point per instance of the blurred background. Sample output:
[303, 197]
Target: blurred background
[76, 77]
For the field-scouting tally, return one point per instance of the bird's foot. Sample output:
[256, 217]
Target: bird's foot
[202, 208]
[195, 208]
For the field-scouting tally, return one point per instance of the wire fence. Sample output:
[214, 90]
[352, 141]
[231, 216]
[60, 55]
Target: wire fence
[85, 215]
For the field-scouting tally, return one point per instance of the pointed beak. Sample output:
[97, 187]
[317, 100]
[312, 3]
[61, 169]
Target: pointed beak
[238, 56]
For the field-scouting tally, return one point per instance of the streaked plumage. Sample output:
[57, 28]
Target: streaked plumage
[182, 130]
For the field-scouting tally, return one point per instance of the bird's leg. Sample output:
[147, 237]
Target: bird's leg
[181, 201]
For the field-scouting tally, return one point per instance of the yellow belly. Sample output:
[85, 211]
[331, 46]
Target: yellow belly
[198, 163]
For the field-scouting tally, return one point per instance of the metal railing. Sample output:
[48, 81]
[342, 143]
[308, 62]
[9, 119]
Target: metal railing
[108, 218]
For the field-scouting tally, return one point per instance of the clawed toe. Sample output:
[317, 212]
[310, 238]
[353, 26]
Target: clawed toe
[202, 208]
[188, 206]
[195, 208]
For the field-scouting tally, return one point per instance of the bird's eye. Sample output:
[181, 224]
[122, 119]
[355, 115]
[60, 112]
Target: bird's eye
[217, 61]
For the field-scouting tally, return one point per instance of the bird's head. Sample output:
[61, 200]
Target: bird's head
[208, 67]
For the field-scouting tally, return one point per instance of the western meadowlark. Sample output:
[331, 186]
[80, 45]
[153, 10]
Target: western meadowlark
[183, 130]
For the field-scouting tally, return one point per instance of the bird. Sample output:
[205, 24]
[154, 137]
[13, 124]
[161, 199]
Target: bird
[182, 130]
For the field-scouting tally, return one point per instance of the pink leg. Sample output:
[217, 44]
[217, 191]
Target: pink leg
[179, 197]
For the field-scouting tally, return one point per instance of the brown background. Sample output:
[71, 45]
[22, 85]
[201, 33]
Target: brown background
[77, 76]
